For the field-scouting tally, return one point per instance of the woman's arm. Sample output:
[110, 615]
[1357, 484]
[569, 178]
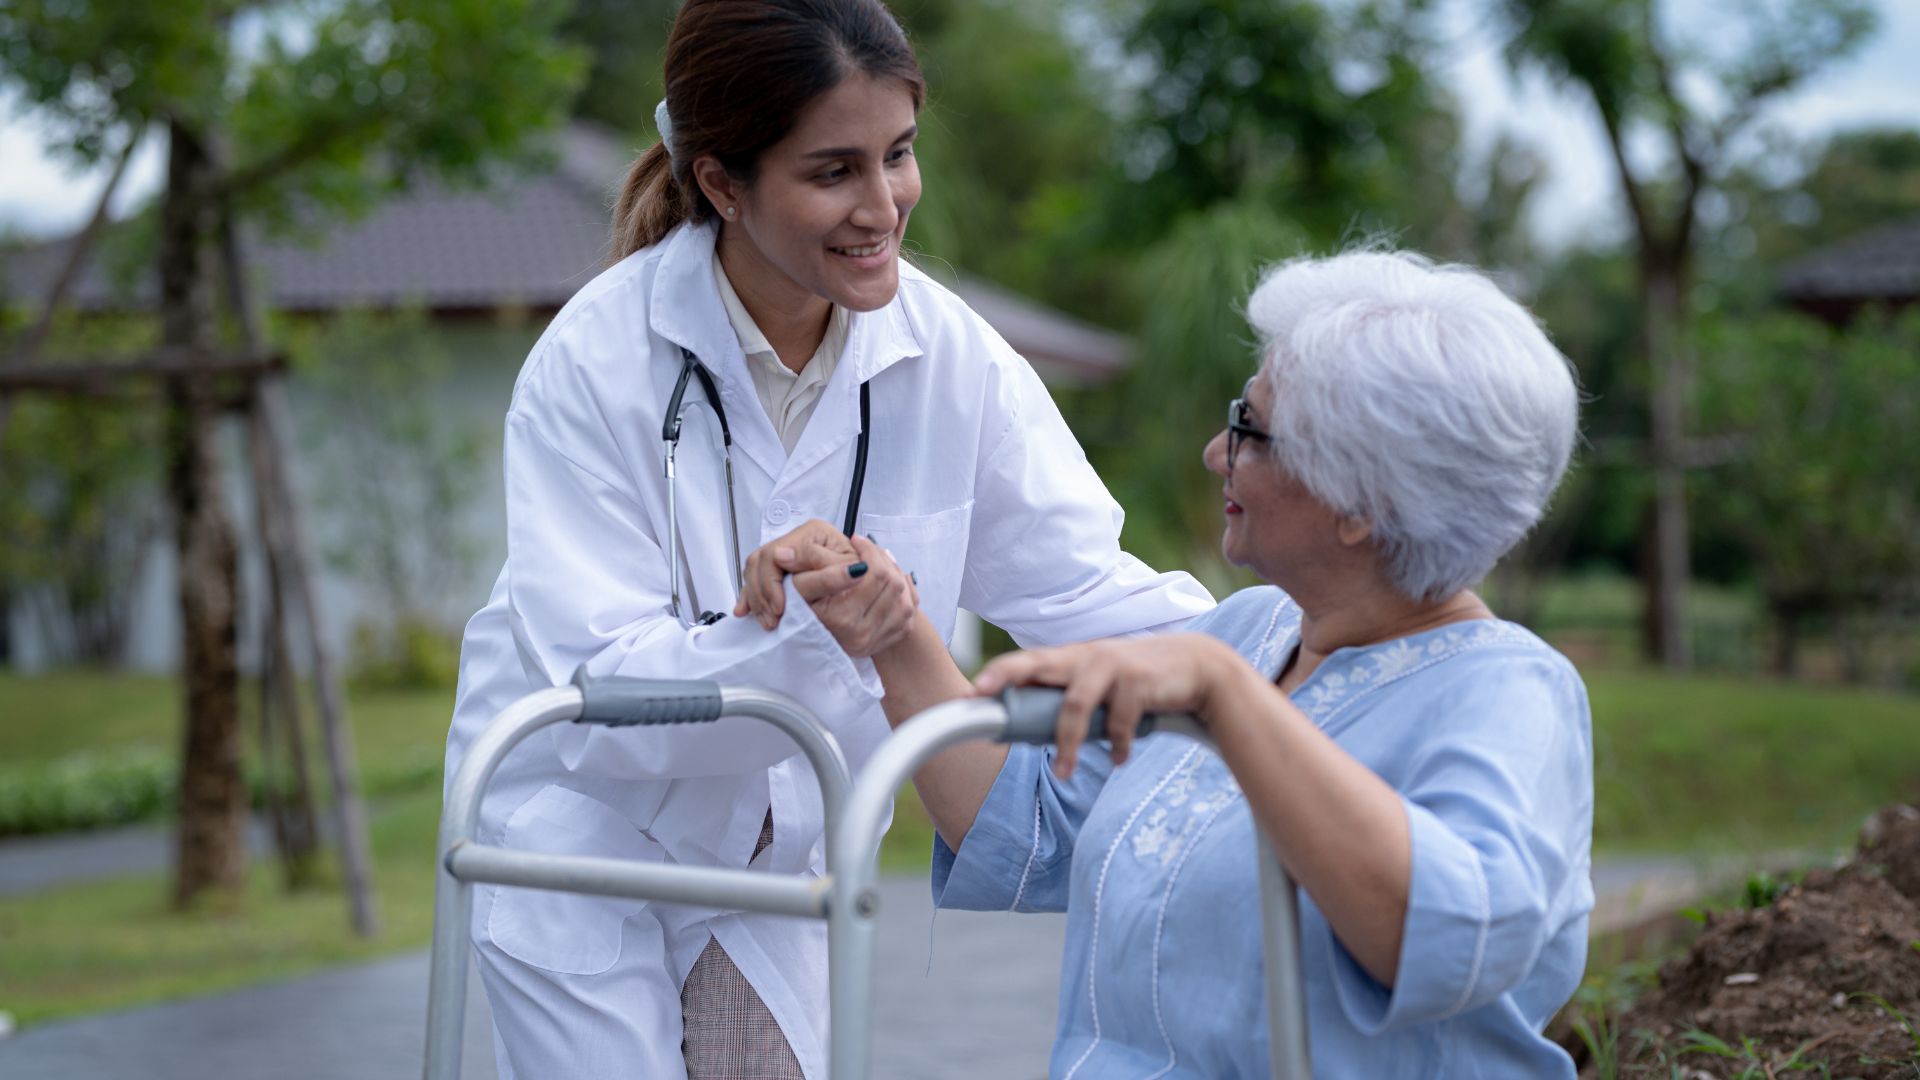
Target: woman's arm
[919, 674]
[1443, 890]
[914, 667]
[1339, 829]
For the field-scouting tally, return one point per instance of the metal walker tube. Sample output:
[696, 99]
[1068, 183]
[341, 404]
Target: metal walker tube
[1023, 715]
[854, 816]
[613, 702]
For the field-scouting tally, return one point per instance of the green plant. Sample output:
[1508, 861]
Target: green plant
[1899, 1017]
[1763, 888]
[1753, 1062]
[1602, 1040]
[86, 790]
[412, 654]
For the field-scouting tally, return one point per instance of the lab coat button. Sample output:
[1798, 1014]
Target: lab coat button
[778, 511]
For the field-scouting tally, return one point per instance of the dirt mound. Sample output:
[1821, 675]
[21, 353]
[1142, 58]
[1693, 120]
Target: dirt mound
[1792, 986]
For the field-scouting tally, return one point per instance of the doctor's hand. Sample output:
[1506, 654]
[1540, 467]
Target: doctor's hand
[1130, 676]
[762, 591]
[868, 605]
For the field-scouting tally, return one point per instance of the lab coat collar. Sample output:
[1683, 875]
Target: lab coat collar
[686, 310]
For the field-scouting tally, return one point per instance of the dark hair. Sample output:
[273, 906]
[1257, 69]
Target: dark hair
[738, 75]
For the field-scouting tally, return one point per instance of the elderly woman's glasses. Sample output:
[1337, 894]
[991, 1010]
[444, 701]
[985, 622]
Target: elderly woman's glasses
[1239, 431]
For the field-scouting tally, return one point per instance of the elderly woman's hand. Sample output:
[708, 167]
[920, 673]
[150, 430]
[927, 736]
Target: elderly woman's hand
[761, 593]
[868, 605]
[1130, 676]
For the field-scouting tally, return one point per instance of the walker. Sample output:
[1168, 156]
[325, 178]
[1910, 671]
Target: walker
[854, 816]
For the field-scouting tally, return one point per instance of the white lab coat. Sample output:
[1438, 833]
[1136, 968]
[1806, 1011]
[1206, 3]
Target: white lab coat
[973, 481]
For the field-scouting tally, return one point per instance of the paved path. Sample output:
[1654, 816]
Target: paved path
[981, 1004]
[367, 1023]
[35, 863]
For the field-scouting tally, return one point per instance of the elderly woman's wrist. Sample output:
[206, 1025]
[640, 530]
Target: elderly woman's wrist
[1221, 675]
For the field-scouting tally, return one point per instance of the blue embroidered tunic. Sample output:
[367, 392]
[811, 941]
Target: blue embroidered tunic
[1480, 726]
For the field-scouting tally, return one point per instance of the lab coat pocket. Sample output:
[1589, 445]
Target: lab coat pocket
[567, 932]
[932, 546]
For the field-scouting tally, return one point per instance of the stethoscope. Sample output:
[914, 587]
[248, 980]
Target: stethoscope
[691, 368]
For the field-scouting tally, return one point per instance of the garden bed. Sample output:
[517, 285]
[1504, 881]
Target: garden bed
[1824, 980]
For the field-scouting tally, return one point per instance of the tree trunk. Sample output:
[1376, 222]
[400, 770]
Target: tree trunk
[213, 795]
[1663, 298]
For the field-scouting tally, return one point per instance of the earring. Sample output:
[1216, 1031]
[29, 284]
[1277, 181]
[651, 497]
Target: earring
[729, 211]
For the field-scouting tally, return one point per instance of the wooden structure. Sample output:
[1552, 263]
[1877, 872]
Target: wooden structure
[247, 381]
[1877, 268]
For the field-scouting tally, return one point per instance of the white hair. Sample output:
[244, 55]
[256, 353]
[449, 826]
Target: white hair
[1419, 397]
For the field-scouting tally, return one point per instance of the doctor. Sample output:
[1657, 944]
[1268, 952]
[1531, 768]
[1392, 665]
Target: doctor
[757, 359]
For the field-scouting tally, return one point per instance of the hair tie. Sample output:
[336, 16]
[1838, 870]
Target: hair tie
[664, 123]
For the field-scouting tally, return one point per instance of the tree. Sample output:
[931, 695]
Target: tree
[1251, 131]
[1821, 493]
[625, 42]
[1643, 83]
[275, 110]
[1015, 129]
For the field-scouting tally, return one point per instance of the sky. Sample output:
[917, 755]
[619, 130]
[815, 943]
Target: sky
[1578, 198]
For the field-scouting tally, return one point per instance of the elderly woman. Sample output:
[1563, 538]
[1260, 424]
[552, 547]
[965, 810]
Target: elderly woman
[1423, 769]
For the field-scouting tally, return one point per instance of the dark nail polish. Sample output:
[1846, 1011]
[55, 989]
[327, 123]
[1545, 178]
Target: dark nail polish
[857, 569]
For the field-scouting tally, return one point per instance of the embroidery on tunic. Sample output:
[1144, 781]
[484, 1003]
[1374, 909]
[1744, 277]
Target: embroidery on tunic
[1099, 896]
[1161, 838]
[1160, 929]
[1326, 695]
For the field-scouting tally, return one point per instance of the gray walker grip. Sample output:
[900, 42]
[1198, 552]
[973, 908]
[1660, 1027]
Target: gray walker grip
[621, 701]
[1032, 712]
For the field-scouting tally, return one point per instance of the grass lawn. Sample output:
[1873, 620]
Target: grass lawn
[1683, 763]
[1720, 764]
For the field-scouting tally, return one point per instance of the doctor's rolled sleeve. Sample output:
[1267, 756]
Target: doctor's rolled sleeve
[1045, 561]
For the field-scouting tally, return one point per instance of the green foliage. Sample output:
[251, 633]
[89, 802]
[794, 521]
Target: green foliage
[327, 104]
[1014, 136]
[125, 785]
[1324, 113]
[408, 654]
[1621, 52]
[625, 43]
[1193, 354]
[1793, 197]
[1762, 889]
[1820, 491]
[1252, 131]
[78, 504]
[86, 791]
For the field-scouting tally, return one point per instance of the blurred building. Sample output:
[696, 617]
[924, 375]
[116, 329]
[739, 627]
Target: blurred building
[1877, 268]
[488, 268]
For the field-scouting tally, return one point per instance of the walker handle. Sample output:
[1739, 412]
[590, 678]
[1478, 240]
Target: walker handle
[623, 701]
[1032, 712]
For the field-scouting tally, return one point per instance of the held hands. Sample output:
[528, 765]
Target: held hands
[854, 587]
[1130, 676]
[762, 594]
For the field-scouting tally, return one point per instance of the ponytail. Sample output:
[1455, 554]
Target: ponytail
[651, 203]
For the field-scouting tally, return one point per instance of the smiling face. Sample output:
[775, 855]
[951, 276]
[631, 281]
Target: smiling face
[828, 206]
[1274, 525]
